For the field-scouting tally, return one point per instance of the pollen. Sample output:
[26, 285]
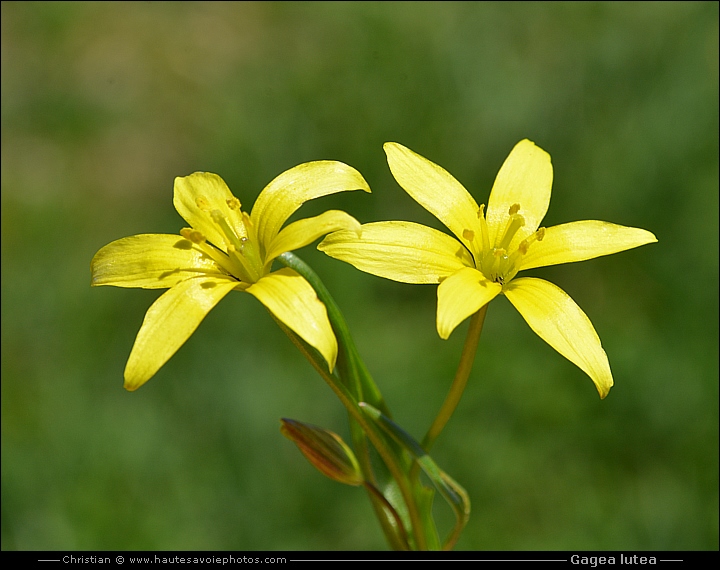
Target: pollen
[233, 203]
[468, 234]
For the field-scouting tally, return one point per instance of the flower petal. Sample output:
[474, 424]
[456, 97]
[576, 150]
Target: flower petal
[525, 178]
[294, 302]
[578, 241]
[401, 251]
[303, 232]
[294, 187]
[436, 190]
[150, 261]
[557, 319]
[460, 295]
[197, 195]
[169, 322]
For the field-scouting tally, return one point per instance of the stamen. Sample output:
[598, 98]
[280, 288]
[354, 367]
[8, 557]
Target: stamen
[468, 235]
[192, 235]
[249, 251]
[496, 260]
[202, 203]
[525, 244]
[485, 236]
[515, 222]
[230, 235]
[249, 227]
[514, 209]
[200, 242]
[243, 268]
[233, 203]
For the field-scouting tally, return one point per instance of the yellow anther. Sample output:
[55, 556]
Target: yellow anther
[202, 203]
[233, 203]
[514, 209]
[468, 235]
[192, 235]
[524, 245]
[500, 252]
[481, 211]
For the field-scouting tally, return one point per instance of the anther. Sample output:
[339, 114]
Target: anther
[202, 203]
[233, 203]
[524, 245]
[514, 209]
[468, 235]
[192, 235]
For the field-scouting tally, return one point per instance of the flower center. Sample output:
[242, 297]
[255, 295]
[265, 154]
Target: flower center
[242, 259]
[497, 262]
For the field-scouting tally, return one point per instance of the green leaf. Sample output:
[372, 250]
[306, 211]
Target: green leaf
[451, 491]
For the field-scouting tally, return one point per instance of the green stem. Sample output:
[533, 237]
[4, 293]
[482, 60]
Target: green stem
[370, 430]
[355, 385]
[460, 381]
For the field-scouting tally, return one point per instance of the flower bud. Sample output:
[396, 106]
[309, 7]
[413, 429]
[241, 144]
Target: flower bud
[325, 450]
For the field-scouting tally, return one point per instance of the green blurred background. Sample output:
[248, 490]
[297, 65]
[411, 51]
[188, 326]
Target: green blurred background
[103, 104]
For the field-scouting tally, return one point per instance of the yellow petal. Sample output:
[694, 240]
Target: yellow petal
[294, 187]
[197, 195]
[557, 319]
[525, 178]
[303, 232]
[401, 251]
[460, 295]
[578, 241]
[151, 261]
[436, 190]
[294, 302]
[169, 322]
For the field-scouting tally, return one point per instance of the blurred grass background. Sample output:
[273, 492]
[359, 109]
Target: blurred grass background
[103, 104]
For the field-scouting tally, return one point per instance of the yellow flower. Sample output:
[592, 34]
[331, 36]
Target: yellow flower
[489, 248]
[226, 249]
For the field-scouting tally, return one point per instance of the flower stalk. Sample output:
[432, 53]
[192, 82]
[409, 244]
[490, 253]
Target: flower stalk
[459, 381]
